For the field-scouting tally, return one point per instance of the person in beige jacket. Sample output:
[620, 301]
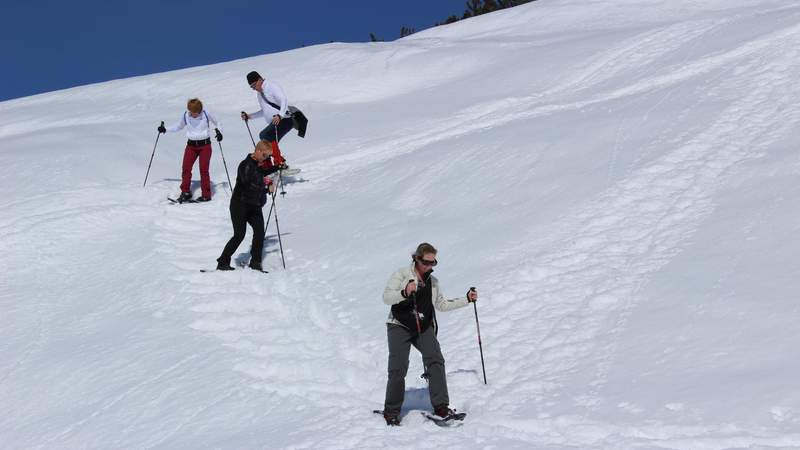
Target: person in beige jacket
[414, 295]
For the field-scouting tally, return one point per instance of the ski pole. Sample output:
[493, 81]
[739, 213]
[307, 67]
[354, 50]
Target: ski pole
[416, 313]
[425, 374]
[280, 172]
[269, 215]
[480, 345]
[151, 156]
[277, 225]
[248, 131]
[230, 186]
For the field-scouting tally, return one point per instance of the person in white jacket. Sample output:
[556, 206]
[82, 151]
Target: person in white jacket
[197, 122]
[413, 294]
[274, 109]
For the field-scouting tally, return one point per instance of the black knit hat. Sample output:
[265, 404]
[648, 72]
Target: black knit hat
[252, 77]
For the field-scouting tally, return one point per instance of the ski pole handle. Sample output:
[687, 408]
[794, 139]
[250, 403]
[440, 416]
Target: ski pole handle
[415, 287]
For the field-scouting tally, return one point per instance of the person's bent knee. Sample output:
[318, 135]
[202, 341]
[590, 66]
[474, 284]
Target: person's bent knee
[267, 135]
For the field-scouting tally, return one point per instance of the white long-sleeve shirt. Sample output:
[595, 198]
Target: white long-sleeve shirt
[198, 128]
[273, 93]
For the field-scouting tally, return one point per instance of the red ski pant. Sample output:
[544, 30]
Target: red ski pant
[277, 158]
[273, 134]
[189, 157]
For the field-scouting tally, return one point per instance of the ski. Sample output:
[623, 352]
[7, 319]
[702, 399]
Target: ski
[215, 270]
[290, 172]
[452, 420]
[177, 202]
[286, 173]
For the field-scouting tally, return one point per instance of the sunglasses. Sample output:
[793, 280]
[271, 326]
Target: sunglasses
[425, 262]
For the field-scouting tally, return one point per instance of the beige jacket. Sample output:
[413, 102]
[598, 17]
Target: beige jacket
[398, 282]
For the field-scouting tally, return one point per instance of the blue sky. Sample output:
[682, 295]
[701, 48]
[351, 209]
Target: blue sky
[47, 45]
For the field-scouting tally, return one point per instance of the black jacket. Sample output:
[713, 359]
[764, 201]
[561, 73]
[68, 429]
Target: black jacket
[404, 311]
[249, 182]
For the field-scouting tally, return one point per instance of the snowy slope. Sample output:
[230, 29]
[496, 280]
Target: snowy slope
[616, 177]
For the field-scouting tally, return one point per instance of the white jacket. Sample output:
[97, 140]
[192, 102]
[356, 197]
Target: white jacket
[198, 128]
[398, 282]
[273, 93]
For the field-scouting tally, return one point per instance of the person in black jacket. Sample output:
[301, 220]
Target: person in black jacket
[246, 204]
[414, 295]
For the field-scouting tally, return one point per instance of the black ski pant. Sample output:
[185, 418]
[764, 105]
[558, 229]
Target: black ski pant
[400, 341]
[241, 215]
[268, 133]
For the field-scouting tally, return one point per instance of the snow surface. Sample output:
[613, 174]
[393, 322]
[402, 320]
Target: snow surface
[618, 178]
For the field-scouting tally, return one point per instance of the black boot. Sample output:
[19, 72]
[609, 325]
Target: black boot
[392, 419]
[224, 265]
[443, 411]
[256, 265]
[185, 196]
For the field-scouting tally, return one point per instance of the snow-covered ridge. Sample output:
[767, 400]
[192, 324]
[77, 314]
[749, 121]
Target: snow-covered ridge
[618, 179]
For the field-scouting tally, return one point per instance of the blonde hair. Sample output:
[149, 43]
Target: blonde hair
[264, 146]
[194, 105]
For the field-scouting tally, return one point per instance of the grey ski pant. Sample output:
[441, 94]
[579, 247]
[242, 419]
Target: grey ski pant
[400, 342]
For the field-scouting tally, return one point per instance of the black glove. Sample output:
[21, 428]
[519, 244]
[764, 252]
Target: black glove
[245, 116]
[219, 135]
[161, 128]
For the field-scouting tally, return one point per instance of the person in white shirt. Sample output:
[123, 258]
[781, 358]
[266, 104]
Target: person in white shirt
[197, 122]
[274, 107]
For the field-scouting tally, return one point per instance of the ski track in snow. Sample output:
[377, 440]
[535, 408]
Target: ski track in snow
[576, 284]
[560, 308]
[356, 155]
[585, 281]
[582, 280]
[255, 315]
